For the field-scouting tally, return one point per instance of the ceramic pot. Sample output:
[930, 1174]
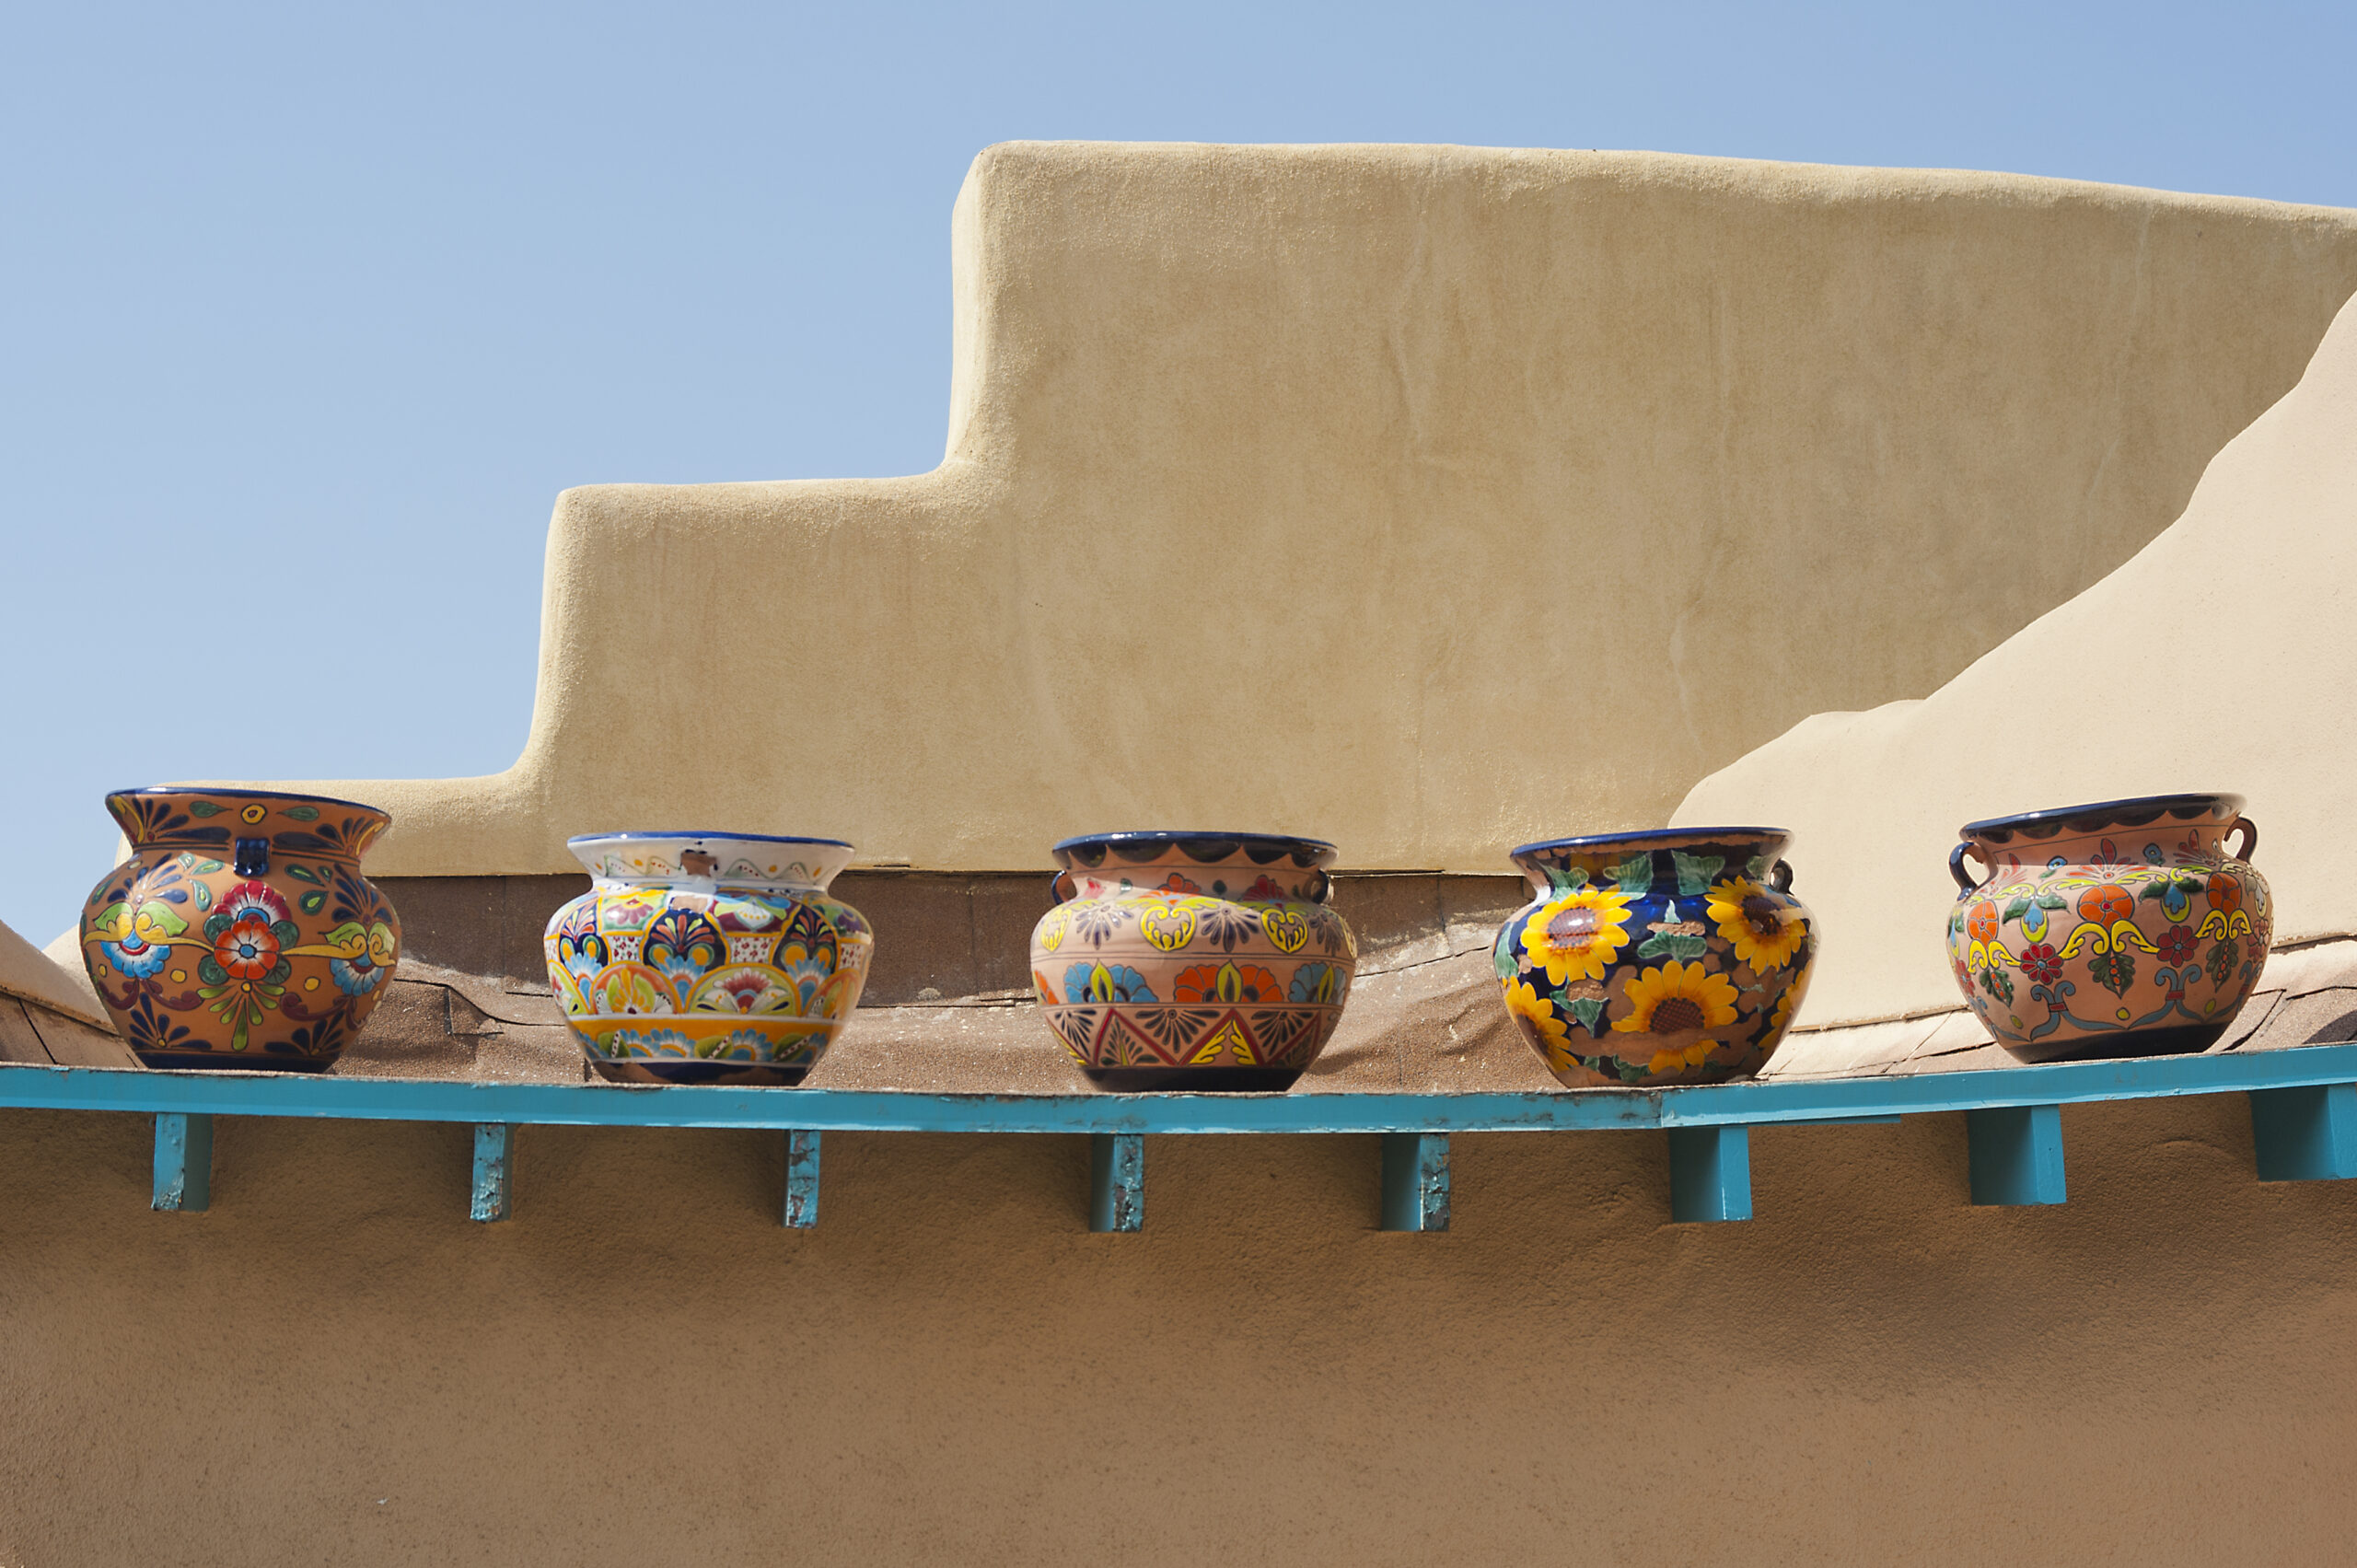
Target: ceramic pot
[1197, 961]
[241, 932]
[1675, 957]
[707, 958]
[2118, 929]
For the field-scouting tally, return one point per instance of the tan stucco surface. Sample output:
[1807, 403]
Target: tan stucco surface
[2222, 658]
[335, 1365]
[1428, 499]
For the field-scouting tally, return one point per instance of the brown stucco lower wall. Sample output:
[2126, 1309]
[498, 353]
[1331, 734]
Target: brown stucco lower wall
[335, 1365]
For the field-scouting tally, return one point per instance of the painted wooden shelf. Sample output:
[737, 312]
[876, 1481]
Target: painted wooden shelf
[2303, 1104]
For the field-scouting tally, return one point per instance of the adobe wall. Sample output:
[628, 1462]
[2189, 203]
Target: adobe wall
[2220, 659]
[1426, 499]
[334, 1364]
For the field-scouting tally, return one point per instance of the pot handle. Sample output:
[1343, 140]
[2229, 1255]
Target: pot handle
[1956, 867]
[2250, 837]
[1780, 876]
[1060, 889]
[1325, 886]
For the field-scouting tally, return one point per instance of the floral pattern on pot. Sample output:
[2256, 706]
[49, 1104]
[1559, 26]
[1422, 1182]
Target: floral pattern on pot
[707, 958]
[241, 932]
[1675, 957]
[1197, 961]
[2123, 928]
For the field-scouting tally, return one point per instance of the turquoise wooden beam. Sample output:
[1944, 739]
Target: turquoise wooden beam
[884, 1111]
[1415, 1181]
[1116, 1181]
[1709, 1174]
[2016, 1153]
[494, 1171]
[801, 1180]
[2306, 1134]
[184, 1162]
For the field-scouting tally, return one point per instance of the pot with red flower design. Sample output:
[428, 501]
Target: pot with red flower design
[241, 932]
[1197, 961]
[1672, 957]
[2123, 928]
[707, 958]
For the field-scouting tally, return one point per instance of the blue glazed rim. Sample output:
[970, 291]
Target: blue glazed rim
[256, 793]
[2136, 811]
[693, 834]
[1647, 836]
[1263, 849]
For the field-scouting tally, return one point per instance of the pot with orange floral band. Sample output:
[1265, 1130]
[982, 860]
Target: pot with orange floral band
[1672, 957]
[1196, 961]
[2124, 928]
[241, 932]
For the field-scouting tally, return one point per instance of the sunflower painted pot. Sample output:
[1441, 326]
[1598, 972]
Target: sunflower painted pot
[707, 958]
[1676, 956]
[2123, 928]
[1196, 961]
[241, 932]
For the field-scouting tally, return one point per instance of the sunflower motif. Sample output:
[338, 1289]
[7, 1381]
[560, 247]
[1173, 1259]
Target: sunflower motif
[1677, 998]
[1675, 1060]
[1538, 1017]
[1766, 930]
[1577, 936]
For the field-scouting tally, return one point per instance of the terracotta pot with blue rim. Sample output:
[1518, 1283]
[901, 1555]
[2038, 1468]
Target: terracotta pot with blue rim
[1193, 960]
[1672, 957]
[701, 957]
[2122, 928]
[241, 932]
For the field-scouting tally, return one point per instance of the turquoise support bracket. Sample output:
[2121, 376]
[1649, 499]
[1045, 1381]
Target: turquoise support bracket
[801, 1180]
[2304, 1135]
[1116, 1181]
[495, 1170]
[2016, 1153]
[1415, 1181]
[184, 1162]
[1709, 1174]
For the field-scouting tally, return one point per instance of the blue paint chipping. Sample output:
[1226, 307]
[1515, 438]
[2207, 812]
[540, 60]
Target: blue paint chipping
[801, 1180]
[1709, 1174]
[2307, 1133]
[1117, 1181]
[184, 1162]
[494, 1171]
[2016, 1155]
[1415, 1181]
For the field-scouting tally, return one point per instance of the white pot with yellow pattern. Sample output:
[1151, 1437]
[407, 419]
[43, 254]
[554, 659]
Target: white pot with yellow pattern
[703, 958]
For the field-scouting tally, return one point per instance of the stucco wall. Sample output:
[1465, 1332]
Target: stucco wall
[1428, 499]
[335, 1365]
[2221, 657]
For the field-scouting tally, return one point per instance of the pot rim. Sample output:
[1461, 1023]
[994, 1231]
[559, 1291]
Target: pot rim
[1320, 852]
[2152, 807]
[1645, 835]
[613, 834]
[252, 793]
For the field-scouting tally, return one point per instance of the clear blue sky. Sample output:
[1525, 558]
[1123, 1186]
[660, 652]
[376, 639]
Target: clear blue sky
[306, 313]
